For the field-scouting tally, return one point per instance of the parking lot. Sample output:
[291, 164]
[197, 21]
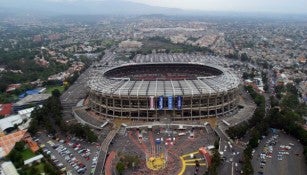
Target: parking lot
[279, 154]
[70, 154]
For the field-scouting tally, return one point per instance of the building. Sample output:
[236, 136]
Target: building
[5, 109]
[32, 92]
[130, 45]
[33, 159]
[8, 142]
[12, 87]
[8, 123]
[30, 100]
[33, 146]
[149, 91]
[8, 168]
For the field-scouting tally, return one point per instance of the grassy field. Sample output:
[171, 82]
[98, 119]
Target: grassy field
[27, 154]
[49, 89]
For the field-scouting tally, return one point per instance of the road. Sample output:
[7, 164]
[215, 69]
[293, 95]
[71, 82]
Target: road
[78, 90]
[74, 94]
[231, 151]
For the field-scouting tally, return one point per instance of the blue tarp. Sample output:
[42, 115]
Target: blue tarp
[33, 91]
[29, 92]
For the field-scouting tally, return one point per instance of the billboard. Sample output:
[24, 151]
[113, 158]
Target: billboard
[151, 103]
[160, 103]
[179, 102]
[170, 102]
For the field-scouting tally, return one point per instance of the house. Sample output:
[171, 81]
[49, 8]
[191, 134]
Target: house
[30, 100]
[8, 142]
[6, 109]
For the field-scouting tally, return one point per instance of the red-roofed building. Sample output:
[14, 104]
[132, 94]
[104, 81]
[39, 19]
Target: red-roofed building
[8, 142]
[12, 87]
[5, 109]
[31, 144]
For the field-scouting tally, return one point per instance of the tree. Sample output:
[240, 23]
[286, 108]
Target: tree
[290, 101]
[48, 116]
[255, 135]
[34, 171]
[16, 157]
[91, 137]
[20, 146]
[83, 131]
[216, 160]
[56, 93]
[120, 167]
[49, 169]
[274, 101]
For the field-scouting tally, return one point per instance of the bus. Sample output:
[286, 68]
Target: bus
[226, 123]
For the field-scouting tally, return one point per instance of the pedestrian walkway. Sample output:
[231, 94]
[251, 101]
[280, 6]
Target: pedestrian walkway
[109, 161]
[107, 140]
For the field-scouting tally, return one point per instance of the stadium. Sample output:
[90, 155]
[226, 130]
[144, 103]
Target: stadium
[151, 91]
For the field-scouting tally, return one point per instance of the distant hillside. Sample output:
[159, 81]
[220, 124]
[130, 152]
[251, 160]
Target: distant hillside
[108, 7]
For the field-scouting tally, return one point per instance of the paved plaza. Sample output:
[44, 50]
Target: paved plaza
[163, 149]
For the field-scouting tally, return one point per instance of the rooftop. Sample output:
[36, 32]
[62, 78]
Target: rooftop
[9, 168]
[5, 109]
[33, 159]
[32, 99]
[8, 142]
[11, 120]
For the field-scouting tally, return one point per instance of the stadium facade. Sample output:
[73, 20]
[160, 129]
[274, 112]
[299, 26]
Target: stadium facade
[151, 91]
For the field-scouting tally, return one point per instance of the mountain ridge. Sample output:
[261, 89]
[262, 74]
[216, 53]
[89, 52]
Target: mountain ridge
[107, 7]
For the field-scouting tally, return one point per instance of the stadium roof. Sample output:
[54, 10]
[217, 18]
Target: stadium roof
[201, 85]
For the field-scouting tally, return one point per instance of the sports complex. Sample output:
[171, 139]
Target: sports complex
[177, 90]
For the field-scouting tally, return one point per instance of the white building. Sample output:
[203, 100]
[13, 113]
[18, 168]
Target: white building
[10, 121]
[33, 159]
[8, 168]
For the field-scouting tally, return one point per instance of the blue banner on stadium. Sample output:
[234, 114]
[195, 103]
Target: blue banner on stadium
[179, 102]
[160, 104]
[170, 102]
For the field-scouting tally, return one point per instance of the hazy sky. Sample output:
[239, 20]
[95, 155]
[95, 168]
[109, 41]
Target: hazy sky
[279, 6]
[284, 6]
